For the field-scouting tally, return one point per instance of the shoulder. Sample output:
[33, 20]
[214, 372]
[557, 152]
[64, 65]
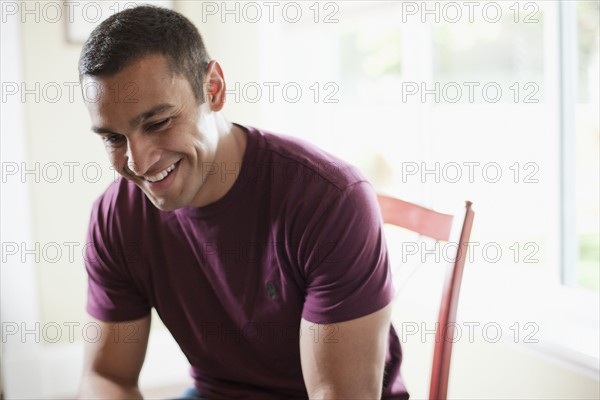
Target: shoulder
[313, 188]
[297, 158]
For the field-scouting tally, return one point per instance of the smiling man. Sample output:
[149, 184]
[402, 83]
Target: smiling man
[263, 255]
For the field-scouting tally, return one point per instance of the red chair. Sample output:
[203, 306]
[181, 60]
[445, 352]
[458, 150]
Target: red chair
[442, 227]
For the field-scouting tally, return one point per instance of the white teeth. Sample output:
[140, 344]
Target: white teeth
[161, 175]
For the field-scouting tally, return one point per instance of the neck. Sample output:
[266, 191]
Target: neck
[231, 148]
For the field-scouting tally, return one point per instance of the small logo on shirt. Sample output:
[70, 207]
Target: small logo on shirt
[271, 291]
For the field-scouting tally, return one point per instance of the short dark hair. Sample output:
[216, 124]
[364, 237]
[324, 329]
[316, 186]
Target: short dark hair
[135, 32]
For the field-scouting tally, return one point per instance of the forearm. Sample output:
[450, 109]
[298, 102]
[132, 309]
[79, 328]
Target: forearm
[357, 388]
[95, 386]
[338, 393]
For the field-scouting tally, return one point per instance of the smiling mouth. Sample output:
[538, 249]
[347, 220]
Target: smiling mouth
[161, 175]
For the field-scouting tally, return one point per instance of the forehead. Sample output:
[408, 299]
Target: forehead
[143, 76]
[143, 83]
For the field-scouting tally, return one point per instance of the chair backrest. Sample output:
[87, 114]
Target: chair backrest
[454, 229]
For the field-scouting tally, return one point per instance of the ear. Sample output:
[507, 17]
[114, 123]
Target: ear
[214, 86]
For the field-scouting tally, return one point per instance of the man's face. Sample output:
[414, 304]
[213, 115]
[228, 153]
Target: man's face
[155, 133]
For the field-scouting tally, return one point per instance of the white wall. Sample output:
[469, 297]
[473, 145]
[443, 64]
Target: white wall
[19, 292]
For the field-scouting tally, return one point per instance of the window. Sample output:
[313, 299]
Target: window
[438, 110]
[493, 107]
[587, 146]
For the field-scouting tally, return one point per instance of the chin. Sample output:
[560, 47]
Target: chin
[166, 208]
[165, 205]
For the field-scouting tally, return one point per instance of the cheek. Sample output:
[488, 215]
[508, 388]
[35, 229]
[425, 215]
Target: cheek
[116, 157]
[184, 139]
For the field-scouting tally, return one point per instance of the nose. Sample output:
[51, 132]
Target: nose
[141, 155]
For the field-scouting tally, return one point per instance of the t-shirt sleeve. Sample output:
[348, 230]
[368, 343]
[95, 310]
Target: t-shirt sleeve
[112, 294]
[346, 261]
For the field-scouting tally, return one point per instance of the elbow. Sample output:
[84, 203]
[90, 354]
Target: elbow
[95, 386]
[372, 392]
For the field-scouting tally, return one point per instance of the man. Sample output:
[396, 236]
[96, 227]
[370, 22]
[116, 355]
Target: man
[263, 255]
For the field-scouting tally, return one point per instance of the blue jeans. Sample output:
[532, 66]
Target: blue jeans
[190, 394]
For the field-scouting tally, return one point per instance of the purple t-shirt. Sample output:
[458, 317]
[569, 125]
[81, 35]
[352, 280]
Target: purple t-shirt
[298, 235]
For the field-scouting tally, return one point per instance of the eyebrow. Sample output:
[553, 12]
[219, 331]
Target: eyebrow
[157, 109]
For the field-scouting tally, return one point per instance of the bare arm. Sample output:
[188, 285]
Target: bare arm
[112, 364]
[348, 362]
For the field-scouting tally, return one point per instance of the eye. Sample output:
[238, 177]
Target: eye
[159, 125]
[113, 139]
